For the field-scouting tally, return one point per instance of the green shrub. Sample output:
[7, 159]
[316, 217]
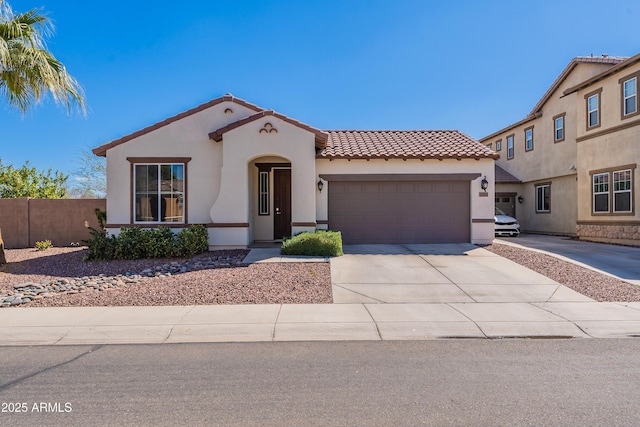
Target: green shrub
[192, 240]
[319, 243]
[135, 242]
[102, 246]
[43, 245]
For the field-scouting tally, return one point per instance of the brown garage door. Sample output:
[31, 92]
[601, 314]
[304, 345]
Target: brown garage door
[400, 212]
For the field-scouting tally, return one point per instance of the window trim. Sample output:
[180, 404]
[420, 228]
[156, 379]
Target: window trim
[598, 93]
[526, 140]
[610, 193]
[542, 185]
[133, 161]
[555, 127]
[513, 149]
[622, 81]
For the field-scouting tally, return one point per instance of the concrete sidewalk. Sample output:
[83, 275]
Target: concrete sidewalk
[316, 322]
[381, 292]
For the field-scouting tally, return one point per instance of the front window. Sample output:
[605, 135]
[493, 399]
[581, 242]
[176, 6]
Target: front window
[601, 192]
[159, 193]
[499, 145]
[613, 191]
[543, 198]
[593, 110]
[558, 122]
[622, 191]
[510, 147]
[630, 98]
[528, 139]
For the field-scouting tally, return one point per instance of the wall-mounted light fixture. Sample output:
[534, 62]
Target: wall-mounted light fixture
[520, 199]
[320, 185]
[484, 184]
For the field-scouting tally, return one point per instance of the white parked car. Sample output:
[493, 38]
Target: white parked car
[505, 225]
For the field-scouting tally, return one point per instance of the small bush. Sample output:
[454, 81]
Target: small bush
[319, 243]
[192, 240]
[43, 245]
[136, 243]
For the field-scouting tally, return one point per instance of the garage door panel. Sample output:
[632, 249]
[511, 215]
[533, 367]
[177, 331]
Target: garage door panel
[400, 212]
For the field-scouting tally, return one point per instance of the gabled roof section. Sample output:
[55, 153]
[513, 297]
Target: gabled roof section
[620, 66]
[504, 177]
[605, 59]
[102, 150]
[403, 144]
[537, 110]
[320, 136]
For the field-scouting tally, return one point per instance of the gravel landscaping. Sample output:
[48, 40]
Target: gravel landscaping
[212, 278]
[595, 285]
[58, 277]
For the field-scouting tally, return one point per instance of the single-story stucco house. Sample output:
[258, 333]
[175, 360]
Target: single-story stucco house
[253, 175]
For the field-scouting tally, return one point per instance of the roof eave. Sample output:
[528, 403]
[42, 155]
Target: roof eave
[102, 150]
[609, 71]
[321, 137]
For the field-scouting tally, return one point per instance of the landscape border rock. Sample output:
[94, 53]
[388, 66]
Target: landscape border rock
[24, 293]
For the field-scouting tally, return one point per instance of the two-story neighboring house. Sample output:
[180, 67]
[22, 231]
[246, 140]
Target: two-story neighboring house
[569, 167]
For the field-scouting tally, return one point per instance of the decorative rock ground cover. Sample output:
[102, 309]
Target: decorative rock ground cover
[26, 292]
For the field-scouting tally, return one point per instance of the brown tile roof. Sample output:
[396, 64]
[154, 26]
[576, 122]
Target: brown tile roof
[321, 137]
[502, 176]
[403, 144]
[102, 150]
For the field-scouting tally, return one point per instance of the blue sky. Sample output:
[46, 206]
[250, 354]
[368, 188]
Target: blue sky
[475, 66]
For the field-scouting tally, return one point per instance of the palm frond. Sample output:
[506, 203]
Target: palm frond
[28, 70]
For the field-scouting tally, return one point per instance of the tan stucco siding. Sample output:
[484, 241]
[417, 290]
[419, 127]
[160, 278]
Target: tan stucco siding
[245, 145]
[184, 138]
[563, 207]
[610, 104]
[481, 207]
[610, 151]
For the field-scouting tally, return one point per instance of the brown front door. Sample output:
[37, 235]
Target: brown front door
[281, 203]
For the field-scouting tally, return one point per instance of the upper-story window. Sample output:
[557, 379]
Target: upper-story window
[528, 139]
[558, 125]
[593, 108]
[629, 87]
[499, 145]
[510, 147]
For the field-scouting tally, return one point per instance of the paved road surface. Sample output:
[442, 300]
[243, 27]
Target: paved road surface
[461, 382]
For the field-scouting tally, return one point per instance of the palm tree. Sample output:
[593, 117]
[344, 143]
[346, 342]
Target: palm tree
[28, 70]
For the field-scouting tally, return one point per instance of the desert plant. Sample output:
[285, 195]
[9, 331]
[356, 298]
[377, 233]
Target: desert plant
[43, 245]
[102, 246]
[318, 243]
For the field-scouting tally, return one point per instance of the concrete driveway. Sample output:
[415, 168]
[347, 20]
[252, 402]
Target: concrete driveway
[439, 273]
[620, 261]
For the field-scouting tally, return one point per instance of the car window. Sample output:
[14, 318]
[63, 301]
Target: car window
[499, 212]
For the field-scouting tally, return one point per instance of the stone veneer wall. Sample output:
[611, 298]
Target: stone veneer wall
[628, 234]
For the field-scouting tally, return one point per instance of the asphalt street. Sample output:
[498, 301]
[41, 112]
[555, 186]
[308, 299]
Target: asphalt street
[457, 382]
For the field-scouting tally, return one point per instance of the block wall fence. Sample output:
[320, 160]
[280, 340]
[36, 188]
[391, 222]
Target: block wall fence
[25, 221]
